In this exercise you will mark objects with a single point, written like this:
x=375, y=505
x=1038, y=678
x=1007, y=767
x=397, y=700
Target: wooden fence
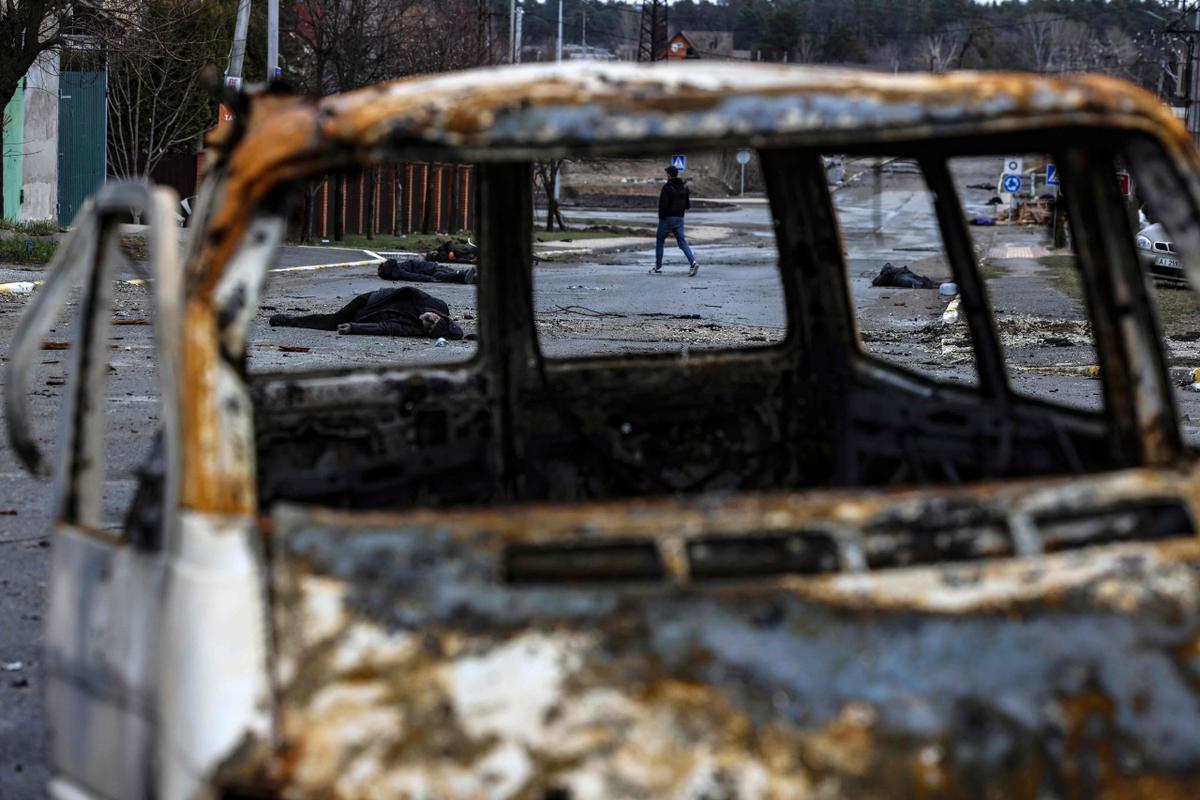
x=392, y=200
x=397, y=198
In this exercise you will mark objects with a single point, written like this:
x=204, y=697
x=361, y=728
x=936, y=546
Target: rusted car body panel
x=740, y=574
x=444, y=680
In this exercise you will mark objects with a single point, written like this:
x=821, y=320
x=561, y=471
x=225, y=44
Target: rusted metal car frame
x=785, y=572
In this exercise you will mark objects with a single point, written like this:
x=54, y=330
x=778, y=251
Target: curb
x=21, y=288
x=1184, y=376
x=1178, y=376
x=1088, y=371
x=313, y=267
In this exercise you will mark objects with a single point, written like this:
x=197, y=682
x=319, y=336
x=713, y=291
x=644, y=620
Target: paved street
x=592, y=298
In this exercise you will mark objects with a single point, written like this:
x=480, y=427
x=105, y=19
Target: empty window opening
x=900, y=277
x=600, y=283
x=1159, y=243
x=377, y=268
x=1018, y=223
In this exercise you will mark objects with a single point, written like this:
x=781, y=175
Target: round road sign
x=743, y=156
x=1012, y=183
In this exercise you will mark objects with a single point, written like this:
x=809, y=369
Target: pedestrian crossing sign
x=679, y=162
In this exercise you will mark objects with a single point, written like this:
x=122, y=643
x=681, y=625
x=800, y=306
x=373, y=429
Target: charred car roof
x=498, y=114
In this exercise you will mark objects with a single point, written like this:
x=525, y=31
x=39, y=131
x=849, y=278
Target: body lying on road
x=420, y=271
x=385, y=312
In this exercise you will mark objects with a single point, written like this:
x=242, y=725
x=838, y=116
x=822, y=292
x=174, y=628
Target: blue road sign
x=1012, y=183
x=679, y=162
x=1051, y=175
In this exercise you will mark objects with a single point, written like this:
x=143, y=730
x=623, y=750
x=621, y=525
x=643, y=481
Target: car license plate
x=1163, y=261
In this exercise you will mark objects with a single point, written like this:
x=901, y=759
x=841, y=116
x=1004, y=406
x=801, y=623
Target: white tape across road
x=27, y=287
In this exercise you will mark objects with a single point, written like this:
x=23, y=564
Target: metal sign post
x=743, y=158
x=1054, y=213
x=1011, y=184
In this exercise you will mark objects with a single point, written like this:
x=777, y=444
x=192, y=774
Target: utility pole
x=1194, y=78
x=558, y=41
x=583, y=35
x=272, y=40
x=237, y=55
x=237, y=52
x=1189, y=75
x=652, y=36
x=512, y=29
x=520, y=26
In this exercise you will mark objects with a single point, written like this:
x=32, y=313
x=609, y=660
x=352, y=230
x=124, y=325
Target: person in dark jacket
x=673, y=203
x=424, y=272
x=385, y=312
x=454, y=252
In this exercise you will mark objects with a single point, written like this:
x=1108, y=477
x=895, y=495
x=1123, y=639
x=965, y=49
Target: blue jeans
x=667, y=226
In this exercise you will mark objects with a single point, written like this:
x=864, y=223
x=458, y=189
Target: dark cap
x=672, y=171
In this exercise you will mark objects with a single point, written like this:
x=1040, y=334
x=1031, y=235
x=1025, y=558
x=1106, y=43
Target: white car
x=1157, y=252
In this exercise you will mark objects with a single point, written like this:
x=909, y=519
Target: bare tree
x=1044, y=35
x=1116, y=53
x=807, y=48
x=545, y=175
x=154, y=99
x=27, y=29
x=30, y=28
x=941, y=50
x=339, y=45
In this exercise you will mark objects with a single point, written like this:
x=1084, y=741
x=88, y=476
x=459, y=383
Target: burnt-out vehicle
x=795, y=571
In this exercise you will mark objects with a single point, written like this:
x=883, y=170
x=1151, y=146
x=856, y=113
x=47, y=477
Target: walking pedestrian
x=673, y=203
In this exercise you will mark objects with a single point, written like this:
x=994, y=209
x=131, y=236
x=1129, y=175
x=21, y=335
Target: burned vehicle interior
x=813, y=411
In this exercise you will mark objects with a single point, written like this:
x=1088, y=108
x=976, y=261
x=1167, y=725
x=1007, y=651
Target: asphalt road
x=586, y=302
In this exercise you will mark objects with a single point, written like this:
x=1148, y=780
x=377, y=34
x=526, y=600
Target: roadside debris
x=134, y=321
x=49, y=345
x=901, y=278
x=950, y=315
x=1029, y=212
x=12, y=666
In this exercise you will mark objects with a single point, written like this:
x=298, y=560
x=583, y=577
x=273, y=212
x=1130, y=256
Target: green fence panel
x=82, y=130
